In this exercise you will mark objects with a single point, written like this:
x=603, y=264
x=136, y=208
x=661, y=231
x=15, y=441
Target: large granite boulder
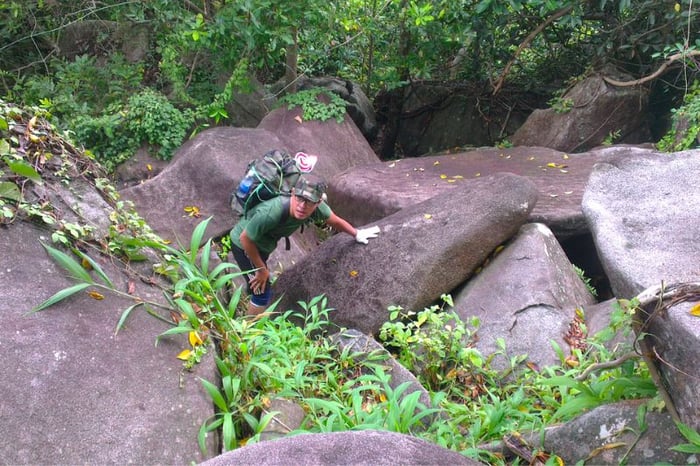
x=528, y=296
x=370, y=192
x=77, y=391
x=594, y=111
x=423, y=251
x=359, y=448
x=644, y=213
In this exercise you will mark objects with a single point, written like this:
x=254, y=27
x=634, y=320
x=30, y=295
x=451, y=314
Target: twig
x=607, y=365
x=655, y=74
x=555, y=16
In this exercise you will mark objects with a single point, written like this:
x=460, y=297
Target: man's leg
x=258, y=302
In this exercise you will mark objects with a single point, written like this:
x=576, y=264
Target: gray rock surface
x=611, y=434
x=423, y=251
x=670, y=336
x=368, y=193
x=361, y=448
x=597, y=111
x=644, y=214
x=529, y=290
x=76, y=393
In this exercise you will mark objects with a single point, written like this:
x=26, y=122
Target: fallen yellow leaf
x=695, y=310
x=96, y=295
x=184, y=354
x=442, y=177
x=354, y=273
x=427, y=216
x=192, y=211
x=194, y=338
x=451, y=181
x=437, y=162
x=149, y=167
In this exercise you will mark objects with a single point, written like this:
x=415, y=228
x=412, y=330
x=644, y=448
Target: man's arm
x=259, y=281
x=361, y=236
x=340, y=224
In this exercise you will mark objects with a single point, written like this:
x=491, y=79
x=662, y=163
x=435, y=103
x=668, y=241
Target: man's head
x=307, y=194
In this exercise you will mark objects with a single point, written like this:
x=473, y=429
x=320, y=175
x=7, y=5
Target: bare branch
x=606, y=365
x=655, y=74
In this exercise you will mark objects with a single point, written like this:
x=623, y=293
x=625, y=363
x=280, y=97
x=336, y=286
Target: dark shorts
x=263, y=299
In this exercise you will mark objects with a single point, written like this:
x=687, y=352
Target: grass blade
x=215, y=395
x=196, y=239
x=96, y=267
x=69, y=264
x=125, y=314
x=60, y=296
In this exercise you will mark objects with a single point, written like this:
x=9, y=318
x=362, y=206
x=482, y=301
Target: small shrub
x=685, y=127
x=313, y=107
x=147, y=118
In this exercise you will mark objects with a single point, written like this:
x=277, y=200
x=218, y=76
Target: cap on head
x=310, y=187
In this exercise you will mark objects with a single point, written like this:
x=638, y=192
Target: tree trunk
x=291, y=56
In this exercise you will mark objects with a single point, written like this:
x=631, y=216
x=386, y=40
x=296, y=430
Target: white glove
x=363, y=236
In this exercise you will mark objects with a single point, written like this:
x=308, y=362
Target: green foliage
x=692, y=436
x=685, y=124
x=147, y=118
x=317, y=104
x=561, y=104
x=611, y=138
x=434, y=344
x=587, y=281
x=270, y=356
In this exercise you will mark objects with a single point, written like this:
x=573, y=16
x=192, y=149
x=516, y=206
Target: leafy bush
x=147, y=118
x=685, y=127
x=313, y=106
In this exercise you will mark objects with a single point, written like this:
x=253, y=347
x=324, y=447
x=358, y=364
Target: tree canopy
x=198, y=52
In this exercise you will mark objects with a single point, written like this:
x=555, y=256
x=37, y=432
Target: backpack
x=267, y=177
x=274, y=174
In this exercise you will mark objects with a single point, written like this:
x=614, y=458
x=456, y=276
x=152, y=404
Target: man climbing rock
x=256, y=234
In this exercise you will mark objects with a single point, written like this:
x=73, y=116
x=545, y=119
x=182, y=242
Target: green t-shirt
x=264, y=227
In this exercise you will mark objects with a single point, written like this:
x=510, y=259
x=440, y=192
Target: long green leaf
x=188, y=310
x=96, y=267
x=228, y=433
x=173, y=331
x=196, y=239
x=204, y=257
x=689, y=433
x=204, y=430
x=60, y=296
x=125, y=314
x=24, y=169
x=69, y=264
x=9, y=190
x=215, y=395
x=224, y=279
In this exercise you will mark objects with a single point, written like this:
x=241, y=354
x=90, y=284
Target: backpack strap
x=286, y=203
